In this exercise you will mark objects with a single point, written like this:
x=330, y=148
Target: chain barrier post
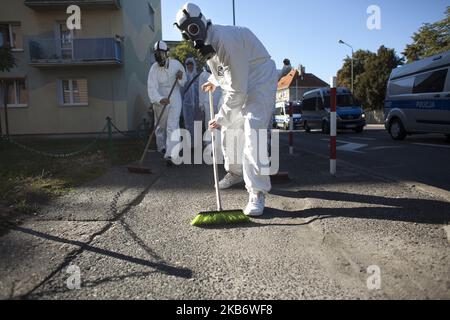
x=291, y=129
x=110, y=141
x=333, y=126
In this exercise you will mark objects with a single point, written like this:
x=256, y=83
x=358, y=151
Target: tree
x=345, y=73
x=7, y=62
x=372, y=71
x=186, y=50
x=431, y=39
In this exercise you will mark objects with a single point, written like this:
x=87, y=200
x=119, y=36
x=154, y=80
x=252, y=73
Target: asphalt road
x=129, y=236
x=420, y=158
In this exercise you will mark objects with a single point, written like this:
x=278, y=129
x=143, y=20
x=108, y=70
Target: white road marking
x=349, y=146
x=384, y=148
x=432, y=145
x=363, y=139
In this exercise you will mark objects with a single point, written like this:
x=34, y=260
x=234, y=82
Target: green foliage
x=345, y=74
x=372, y=71
x=7, y=60
x=431, y=39
x=28, y=181
x=186, y=50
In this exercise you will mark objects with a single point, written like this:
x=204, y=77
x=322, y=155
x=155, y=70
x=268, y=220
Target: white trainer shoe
x=256, y=205
x=229, y=181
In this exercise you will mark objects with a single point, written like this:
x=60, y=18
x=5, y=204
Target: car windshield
x=344, y=100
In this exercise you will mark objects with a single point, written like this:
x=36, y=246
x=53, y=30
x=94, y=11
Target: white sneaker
x=256, y=205
x=229, y=181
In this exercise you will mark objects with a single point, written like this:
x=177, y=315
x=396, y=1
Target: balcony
x=75, y=52
x=48, y=4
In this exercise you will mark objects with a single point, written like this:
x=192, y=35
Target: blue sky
x=307, y=32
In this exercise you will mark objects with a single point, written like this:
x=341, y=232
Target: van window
x=401, y=86
x=279, y=112
x=430, y=82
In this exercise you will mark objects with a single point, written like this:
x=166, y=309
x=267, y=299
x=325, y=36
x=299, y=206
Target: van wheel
x=306, y=126
x=397, y=130
x=325, y=127
x=359, y=129
x=286, y=127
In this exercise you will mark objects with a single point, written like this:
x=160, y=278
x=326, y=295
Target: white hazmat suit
x=204, y=98
x=190, y=97
x=243, y=68
x=160, y=82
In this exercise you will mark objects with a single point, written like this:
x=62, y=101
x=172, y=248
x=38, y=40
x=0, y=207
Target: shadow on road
x=161, y=267
x=395, y=209
x=91, y=284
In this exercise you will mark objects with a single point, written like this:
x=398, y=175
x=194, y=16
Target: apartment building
x=68, y=81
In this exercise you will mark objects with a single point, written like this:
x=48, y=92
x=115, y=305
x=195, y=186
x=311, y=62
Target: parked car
x=418, y=98
x=282, y=118
x=316, y=110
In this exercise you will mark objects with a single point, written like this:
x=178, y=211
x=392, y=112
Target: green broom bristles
x=220, y=218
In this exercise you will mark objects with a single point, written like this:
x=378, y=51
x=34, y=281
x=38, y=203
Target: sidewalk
x=131, y=238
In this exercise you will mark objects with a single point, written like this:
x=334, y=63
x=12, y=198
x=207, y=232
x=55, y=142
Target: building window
x=151, y=12
x=74, y=92
x=16, y=93
x=11, y=36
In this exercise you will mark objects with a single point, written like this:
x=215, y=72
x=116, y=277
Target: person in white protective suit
x=204, y=97
x=161, y=78
x=243, y=68
x=190, y=96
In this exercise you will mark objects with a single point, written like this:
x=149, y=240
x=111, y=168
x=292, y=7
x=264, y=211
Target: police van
x=316, y=111
x=418, y=98
x=282, y=117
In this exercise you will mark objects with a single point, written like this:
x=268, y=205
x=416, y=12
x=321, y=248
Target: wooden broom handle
x=214, y=152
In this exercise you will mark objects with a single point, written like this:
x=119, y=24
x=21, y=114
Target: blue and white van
x=282, y=118
x=316, y=110
x=418, y=98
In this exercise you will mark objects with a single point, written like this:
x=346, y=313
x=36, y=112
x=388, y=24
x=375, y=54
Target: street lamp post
x=353, y=81
x=234, y=13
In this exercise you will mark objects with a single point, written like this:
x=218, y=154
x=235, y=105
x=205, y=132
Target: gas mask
x=195, y=29
x=161, y=57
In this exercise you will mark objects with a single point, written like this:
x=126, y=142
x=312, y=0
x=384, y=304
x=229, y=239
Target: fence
x=375, y=117
x=142, y=132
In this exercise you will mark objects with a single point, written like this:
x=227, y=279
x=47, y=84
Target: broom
x=139, y=168
x=219, y=217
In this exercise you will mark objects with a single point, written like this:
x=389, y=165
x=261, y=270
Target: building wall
x=115, y=91
x=139, y=42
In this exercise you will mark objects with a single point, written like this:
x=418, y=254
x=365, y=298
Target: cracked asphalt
x=131, y=238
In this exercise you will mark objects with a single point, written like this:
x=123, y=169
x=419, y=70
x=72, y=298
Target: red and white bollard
x=333, y=126
x=291, y=129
